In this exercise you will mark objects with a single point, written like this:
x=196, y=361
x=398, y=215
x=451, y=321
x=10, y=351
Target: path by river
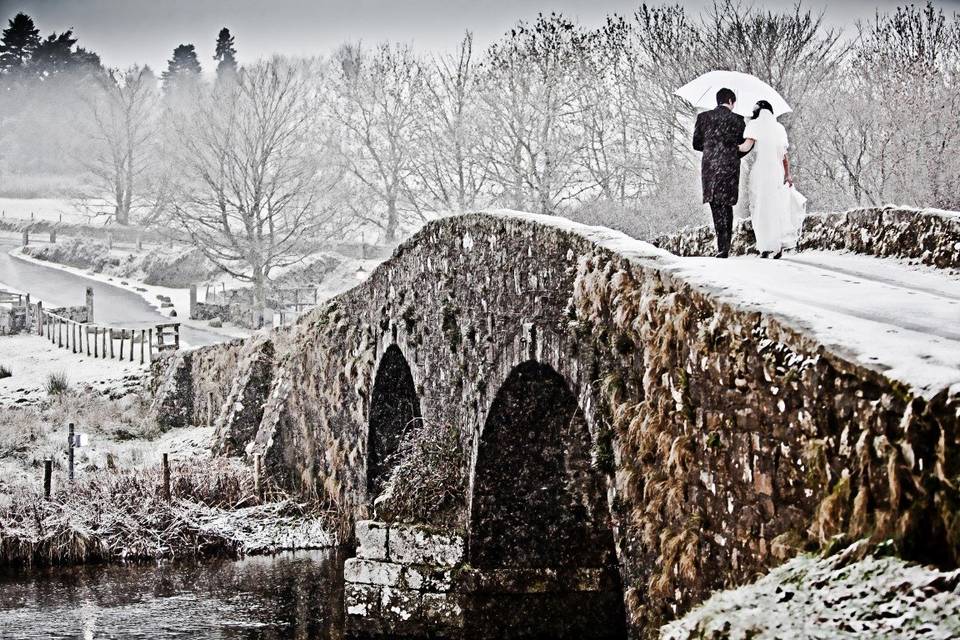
x=112, y=305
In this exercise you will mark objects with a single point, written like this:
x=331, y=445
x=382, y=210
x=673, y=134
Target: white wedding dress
x=769, y=196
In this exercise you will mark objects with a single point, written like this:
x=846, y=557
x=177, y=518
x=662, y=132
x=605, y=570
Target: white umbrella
x=702, y=92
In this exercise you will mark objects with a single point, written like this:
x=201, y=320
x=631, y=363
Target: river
x=291, y=595
x=113, y=306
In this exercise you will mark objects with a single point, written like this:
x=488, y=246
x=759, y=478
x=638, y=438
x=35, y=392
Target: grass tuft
x=57, y=384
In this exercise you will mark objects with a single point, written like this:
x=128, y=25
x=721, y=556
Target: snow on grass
x=32, y=359
x=835, y=597
x=51, y=209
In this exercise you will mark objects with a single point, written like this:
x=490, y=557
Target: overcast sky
x=146, y=31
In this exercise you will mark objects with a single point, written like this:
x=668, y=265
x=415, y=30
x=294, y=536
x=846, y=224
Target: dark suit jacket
x=717, y=134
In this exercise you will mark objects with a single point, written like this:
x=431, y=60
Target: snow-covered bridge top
x=887, y=314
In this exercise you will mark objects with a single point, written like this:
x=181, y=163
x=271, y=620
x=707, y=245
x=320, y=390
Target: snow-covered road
x=899, y=318
x=113, y=305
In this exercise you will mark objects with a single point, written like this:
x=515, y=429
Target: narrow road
x=113, y=306
x=898, y=318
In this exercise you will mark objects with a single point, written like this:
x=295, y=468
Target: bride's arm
x=747, y=145
x=787, y=178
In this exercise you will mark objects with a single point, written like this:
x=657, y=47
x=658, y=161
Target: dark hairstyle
x=761, y=104
x=725, y=96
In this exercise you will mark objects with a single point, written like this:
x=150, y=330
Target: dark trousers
x=723, y=224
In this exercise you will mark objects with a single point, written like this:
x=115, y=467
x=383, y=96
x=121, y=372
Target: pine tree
x=18, y=43
x=226, y=54
x=183, y=66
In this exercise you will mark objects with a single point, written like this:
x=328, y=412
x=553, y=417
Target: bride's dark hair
x=761, y=104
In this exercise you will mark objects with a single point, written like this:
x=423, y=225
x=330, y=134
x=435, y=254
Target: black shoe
x=722, y=254
x=779, y=255
x=764, y=254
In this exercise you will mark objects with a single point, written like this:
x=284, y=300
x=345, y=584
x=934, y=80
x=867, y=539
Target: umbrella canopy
x=702, y=92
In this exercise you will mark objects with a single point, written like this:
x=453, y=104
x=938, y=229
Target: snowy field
x=32, y=359
x=52, y=209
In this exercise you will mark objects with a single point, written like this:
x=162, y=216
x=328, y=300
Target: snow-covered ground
x=51, y=209
x=831, y=598
x=32, y=359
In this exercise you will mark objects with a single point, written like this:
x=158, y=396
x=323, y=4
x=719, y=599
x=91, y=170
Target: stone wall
x=928, y=236
x=723, y=440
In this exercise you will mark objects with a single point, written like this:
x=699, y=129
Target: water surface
x=292, y=595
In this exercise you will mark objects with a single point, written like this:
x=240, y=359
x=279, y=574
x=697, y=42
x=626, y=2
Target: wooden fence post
x=47, y=476
x=166, y=477
x=96, y=341
x=111, y=343
x=256, y=475
x=59, y=333
x=150, y=341
x=86, y=330
x=103, y=348
x=72, y=338
x=123, y=336
x=39, y=317
x=142, y=336
x=133, y=340
x=70, y=451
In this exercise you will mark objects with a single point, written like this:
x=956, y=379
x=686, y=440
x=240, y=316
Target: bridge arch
x=538, y=508
x=394, y=407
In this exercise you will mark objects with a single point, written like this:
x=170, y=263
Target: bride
x=769, y=182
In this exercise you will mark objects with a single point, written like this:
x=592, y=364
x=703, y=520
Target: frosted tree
x=378, y=114
x=530, y=94
x=121, y=137
x=252, y=174
x=451, y=174
x=890, y=133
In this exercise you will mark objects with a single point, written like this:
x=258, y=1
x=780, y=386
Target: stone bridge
x=531, y=416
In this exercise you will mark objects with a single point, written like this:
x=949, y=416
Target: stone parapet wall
x=928, y=236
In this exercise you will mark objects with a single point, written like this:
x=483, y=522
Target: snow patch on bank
x=836, y=597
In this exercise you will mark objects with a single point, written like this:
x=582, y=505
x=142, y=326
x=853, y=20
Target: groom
x=718, y=134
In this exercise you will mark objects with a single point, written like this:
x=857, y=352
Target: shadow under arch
x=539, y=518
x=394, y=406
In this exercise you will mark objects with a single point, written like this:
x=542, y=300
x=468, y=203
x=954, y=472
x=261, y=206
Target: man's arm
x=742, y=147
x=698, y=133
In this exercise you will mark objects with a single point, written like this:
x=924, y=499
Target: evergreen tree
x=226, y=54
x=20, y=39
x=183, y=66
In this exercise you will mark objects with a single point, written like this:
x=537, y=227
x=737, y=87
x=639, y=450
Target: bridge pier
x=414, y=581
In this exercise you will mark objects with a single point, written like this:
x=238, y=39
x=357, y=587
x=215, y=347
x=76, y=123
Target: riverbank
x=121, y=515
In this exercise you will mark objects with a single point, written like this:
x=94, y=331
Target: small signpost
x=74, y=440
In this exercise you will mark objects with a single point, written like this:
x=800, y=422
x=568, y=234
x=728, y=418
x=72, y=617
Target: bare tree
x=377, y=110
x=120, y=142
x=252, y=172
x=892, y=130
x=531, y=89
x=451, y=174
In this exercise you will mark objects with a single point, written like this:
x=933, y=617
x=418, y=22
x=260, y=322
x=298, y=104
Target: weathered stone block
x=361, y=599
x=371, y=572
x=442, y=610
x=399, y=606
x=427, y=578
x=415, y=545
x=371, y=540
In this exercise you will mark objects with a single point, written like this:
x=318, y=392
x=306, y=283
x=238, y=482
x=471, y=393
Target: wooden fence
x=108, y=342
